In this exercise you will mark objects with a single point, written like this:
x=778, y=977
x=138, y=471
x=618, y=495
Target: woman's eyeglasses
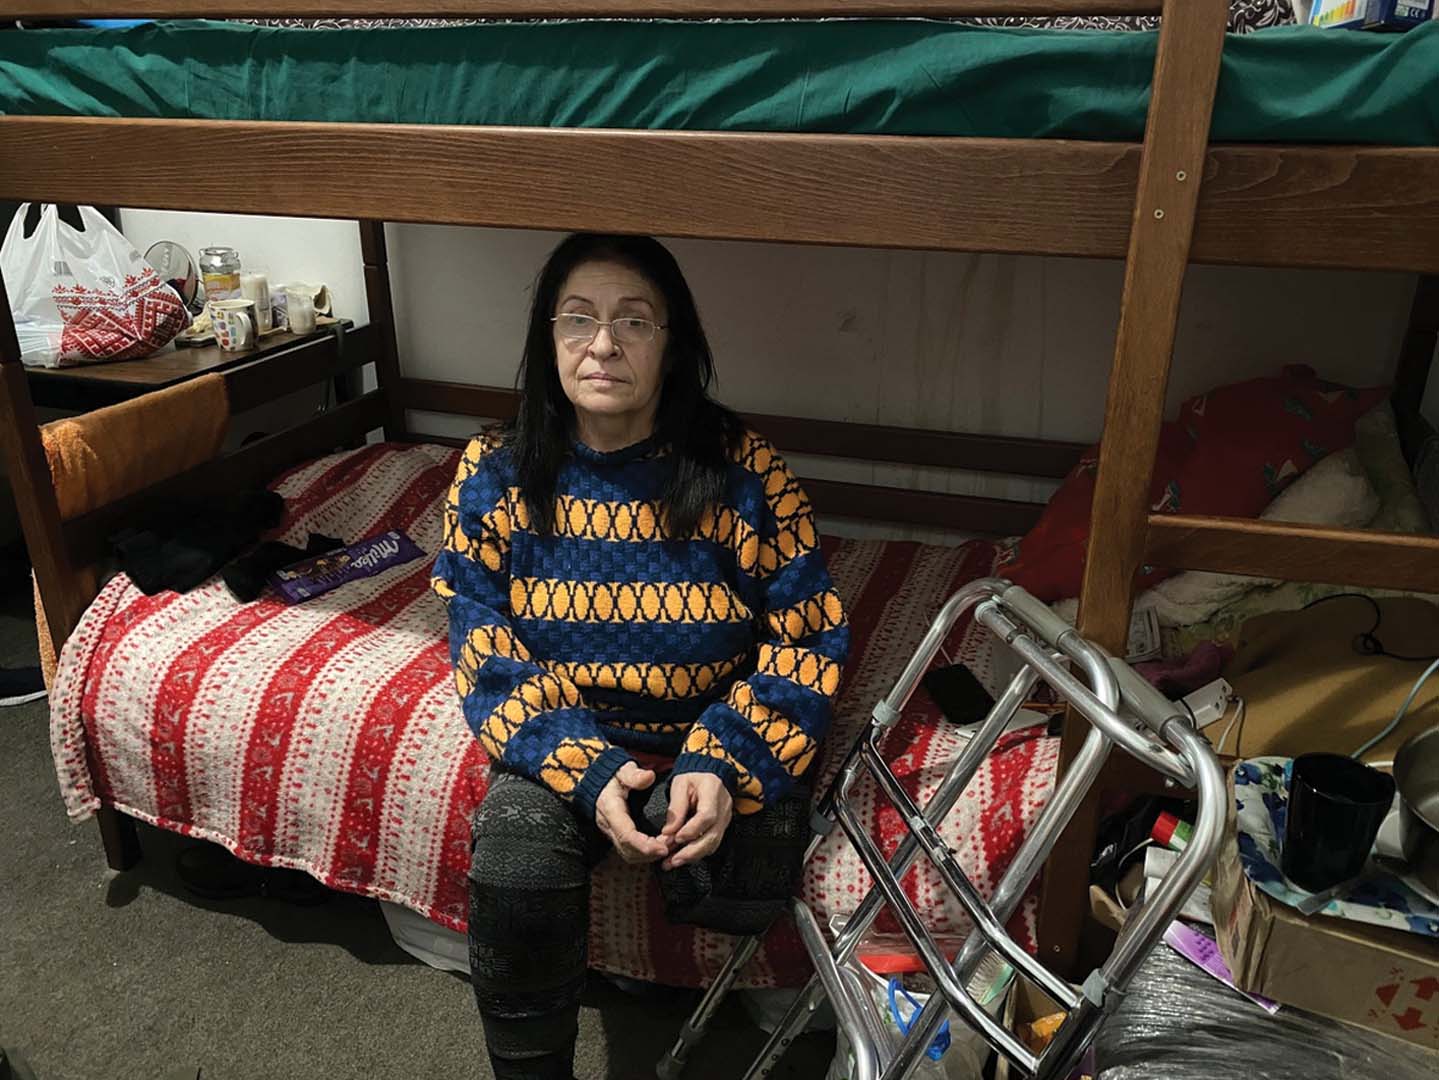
x=581, y=329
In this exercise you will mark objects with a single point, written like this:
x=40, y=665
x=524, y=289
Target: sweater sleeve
x=530, y=720
x=764, y=733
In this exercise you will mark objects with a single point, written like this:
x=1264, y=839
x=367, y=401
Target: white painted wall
x=287, y=249
x=989, y=343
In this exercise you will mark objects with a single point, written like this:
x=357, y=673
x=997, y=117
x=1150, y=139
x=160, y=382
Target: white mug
x=300, y=309
x=234, y=322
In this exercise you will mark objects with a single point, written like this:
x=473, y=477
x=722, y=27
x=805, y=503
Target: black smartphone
x=958, y=693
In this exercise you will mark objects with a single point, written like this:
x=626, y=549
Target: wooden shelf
x=91, y=386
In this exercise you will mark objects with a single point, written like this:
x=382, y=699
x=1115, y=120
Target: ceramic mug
x=234, y=323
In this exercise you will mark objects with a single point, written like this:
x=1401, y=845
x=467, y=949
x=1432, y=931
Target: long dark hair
x=699, y=433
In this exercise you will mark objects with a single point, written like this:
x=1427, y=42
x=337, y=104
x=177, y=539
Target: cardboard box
x=1371, y=14
x=1384, y=980
x=1026, y=1003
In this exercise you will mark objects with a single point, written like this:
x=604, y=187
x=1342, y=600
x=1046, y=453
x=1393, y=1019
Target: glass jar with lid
x=220, y=271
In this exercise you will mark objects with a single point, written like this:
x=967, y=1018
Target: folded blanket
x=113, y=452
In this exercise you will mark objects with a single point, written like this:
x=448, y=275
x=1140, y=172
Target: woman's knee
x=529, y=913
x=523, y=834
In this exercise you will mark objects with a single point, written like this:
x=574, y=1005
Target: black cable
x=1367, y=642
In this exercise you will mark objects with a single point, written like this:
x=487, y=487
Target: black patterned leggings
x=529, y=907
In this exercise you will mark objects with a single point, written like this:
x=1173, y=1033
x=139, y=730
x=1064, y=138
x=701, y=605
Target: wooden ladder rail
x=1176, y=137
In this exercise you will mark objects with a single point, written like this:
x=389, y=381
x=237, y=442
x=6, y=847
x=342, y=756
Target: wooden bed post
x=1186, y=71
x=62, y=592
x=382, y=317
x=1412, y=374
x=29, y=475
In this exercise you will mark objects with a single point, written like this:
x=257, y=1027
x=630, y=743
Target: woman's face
x=613, y=379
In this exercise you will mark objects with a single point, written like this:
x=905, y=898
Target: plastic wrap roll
x=1177, y=1023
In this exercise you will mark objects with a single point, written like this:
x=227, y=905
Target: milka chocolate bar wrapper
x=364, y=558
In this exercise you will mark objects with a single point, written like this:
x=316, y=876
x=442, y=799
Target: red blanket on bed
x=327, y=736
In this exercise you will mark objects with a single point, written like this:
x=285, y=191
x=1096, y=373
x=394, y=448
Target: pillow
x=1376, y=441
x=1228, y=454
x=1336, y=492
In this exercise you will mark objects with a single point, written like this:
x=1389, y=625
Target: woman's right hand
x=612, y=815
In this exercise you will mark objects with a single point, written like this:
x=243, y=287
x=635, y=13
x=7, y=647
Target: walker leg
x=795, y=1020
x=693, y=1030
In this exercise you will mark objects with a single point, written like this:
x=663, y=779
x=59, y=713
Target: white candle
x=256, y=286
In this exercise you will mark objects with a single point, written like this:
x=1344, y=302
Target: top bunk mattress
x=847, y=76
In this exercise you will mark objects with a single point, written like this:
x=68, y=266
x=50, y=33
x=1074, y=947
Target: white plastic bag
x=958, y=1052
x=82, y=296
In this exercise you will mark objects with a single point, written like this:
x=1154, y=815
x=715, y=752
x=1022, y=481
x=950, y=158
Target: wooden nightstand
x=90, y=386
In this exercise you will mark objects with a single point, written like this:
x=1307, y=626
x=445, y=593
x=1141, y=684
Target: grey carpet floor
x=106, y=977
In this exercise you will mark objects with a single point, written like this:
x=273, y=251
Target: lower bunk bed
x=327, y=737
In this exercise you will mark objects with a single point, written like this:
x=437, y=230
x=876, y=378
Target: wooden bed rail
x=1295, y=552
x=1416, y=368
x=1304, y=206
x=308, y=364
x=1037, y=458
x=927, y=509
x=554, y=9
x=893, y=505
x=1014, y=456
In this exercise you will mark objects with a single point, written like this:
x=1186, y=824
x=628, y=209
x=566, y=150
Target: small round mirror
x=176, y=267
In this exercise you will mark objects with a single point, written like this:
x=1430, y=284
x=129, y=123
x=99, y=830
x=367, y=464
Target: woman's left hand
x=700, y=812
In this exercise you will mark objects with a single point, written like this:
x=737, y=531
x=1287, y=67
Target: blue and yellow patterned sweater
x=722, y=648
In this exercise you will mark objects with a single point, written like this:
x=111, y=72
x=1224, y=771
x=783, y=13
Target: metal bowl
x=1416, y=775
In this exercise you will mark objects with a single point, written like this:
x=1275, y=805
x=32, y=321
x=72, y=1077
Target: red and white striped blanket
x=327, y=736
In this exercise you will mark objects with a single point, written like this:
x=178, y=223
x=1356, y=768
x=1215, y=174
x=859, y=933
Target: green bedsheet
x=911, y=77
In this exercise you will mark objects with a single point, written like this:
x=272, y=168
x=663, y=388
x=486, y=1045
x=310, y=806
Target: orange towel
x=116, y=451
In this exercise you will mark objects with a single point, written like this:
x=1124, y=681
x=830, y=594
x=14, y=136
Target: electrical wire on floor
x=1237, y=718
x=1398, y=716
x=1367, y=642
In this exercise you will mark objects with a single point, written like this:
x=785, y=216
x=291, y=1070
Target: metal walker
x=1121, y=709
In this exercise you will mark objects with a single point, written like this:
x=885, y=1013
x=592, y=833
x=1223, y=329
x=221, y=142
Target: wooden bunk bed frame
x=1157, y=204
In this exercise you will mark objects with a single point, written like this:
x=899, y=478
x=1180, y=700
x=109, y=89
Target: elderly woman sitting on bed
x=634, y=583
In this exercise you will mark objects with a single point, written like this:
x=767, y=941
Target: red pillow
x=1229, y=453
